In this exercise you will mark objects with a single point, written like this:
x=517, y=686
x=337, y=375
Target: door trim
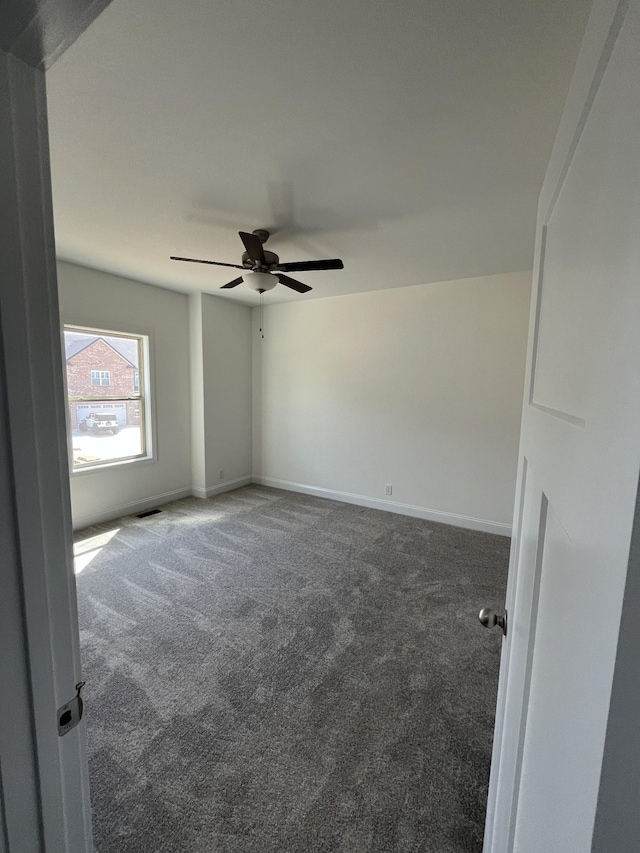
x=44, y=786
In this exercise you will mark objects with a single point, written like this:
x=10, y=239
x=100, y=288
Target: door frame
x=603, y=28
x=44, y=780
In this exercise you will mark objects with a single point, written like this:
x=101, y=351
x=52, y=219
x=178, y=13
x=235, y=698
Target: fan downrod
x=262, y=235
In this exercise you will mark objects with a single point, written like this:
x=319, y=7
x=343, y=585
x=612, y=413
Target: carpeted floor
x=270, y=672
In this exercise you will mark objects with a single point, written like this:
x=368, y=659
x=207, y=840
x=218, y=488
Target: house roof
x=75, y=342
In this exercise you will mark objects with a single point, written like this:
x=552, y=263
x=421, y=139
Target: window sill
x=121, y=463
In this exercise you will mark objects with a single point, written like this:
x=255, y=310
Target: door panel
x=558, y=721
x=522, y=598
x=580, y=452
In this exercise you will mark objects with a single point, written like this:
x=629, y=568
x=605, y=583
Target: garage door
x=118, y=409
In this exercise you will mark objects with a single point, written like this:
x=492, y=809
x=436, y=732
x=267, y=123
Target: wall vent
x=148, y=513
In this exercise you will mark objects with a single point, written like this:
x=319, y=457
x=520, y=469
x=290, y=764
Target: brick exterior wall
x=99, y=356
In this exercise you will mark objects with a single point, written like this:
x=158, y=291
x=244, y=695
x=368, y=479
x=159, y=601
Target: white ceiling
x=408, y=137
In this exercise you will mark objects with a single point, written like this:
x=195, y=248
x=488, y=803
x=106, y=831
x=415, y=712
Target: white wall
x=221, y=367
x=196, y=385
x=97, y=299
x=420, y=387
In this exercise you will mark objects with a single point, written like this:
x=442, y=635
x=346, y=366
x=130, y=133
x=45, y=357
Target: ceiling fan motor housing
x=270, y=257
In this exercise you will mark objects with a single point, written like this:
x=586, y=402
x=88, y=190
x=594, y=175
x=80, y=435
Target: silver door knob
x=490, y=619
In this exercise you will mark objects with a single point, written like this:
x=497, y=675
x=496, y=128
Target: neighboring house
x=100, y=367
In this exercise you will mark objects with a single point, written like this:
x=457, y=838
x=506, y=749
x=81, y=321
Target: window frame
x=145, y=398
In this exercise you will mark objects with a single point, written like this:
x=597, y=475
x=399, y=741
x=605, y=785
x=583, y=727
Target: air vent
x=148, y=513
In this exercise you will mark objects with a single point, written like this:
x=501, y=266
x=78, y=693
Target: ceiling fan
x=263, y=268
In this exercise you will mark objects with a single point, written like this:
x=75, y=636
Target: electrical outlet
x=222, y=474
x=388, y=489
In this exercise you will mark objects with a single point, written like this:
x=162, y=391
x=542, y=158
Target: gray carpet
x=270, y=672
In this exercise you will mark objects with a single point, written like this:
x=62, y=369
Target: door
x=579, y=459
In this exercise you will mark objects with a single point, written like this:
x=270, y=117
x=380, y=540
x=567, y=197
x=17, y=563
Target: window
x=101, y=377
x=107, y=387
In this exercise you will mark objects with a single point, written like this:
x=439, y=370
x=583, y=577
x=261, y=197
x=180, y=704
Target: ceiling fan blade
x=299, y=266
x=233, y=283
x=253, y=245
x=293, y=284
x=215, y=263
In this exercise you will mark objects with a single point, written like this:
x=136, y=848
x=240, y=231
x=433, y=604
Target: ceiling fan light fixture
x=260, y=281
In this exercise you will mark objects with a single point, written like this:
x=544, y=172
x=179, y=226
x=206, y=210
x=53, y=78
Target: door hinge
x=69, y=715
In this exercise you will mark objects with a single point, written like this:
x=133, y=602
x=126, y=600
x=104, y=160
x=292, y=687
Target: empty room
x=319, y=411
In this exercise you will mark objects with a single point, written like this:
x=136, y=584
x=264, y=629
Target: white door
x=579, y=458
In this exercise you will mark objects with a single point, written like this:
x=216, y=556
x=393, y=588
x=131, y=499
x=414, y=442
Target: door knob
x=490, y=619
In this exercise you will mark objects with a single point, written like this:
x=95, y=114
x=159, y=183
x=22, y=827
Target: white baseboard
x=131, y=508
x=228, y=486
x=466, y=521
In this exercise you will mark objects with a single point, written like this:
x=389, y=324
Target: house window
x=107, y=388
x=100, y=377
